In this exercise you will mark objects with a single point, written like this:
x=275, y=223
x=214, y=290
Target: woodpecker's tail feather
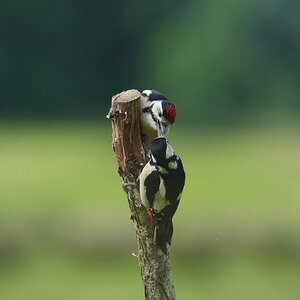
x=163, y=235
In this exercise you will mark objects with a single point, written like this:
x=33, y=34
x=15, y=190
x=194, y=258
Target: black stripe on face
x=148, y=110
x=159, y=127
x=153, y=118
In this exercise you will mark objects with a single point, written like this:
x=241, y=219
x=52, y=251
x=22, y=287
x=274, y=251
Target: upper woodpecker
x=161, y=184
x=157, y=115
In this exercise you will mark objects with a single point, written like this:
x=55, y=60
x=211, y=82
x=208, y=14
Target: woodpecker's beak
x=159, y=128
x=163, y=129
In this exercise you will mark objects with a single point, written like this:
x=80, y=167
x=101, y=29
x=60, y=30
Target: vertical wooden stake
x=154, y=264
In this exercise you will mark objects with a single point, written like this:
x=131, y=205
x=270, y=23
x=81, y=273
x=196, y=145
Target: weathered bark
x=154, y=264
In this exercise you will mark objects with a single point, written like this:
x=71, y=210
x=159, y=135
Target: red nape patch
x=149, y=214
x=171, y=113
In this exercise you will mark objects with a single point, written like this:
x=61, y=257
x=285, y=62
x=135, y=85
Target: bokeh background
x=231, y=67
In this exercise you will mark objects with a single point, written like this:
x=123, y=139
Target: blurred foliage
x=228, y=61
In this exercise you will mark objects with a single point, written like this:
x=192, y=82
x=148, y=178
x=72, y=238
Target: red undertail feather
x=149, y=214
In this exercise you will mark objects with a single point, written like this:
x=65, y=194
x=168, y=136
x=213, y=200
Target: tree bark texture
x=154, y=264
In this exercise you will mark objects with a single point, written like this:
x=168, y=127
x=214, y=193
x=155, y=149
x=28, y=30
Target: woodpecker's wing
x=175, y=180
x=149, y=185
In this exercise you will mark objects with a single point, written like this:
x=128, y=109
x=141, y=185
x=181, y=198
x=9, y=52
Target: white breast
x=146, y=171
x=160, y=200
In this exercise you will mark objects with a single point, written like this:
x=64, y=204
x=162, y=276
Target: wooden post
x=154, y=264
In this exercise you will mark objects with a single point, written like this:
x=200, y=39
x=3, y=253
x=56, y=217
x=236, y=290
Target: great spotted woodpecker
x=157, y=115
x=161, y=184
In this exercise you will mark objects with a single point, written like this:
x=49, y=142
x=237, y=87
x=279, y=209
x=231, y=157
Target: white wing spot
x=172, y=165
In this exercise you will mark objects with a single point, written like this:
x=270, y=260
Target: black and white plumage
x=161, y=184
x=157, y=115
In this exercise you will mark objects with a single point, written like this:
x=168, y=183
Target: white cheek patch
x=157, y=109
x=148, y=125
x=172, y=165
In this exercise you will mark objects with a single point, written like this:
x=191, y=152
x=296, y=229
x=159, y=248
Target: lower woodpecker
x=161, y=183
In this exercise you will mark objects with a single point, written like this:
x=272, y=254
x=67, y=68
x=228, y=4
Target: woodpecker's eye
x=160, y=114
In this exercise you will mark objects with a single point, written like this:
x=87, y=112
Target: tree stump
x=154, y=264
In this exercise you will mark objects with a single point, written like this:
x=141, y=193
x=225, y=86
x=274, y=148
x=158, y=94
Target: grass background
x=65, y=231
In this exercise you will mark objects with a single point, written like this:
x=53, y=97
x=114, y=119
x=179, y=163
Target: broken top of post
x=127, y=144
x=127, y=96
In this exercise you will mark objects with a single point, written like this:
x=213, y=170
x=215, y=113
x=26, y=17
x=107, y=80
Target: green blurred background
x=231, y=67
